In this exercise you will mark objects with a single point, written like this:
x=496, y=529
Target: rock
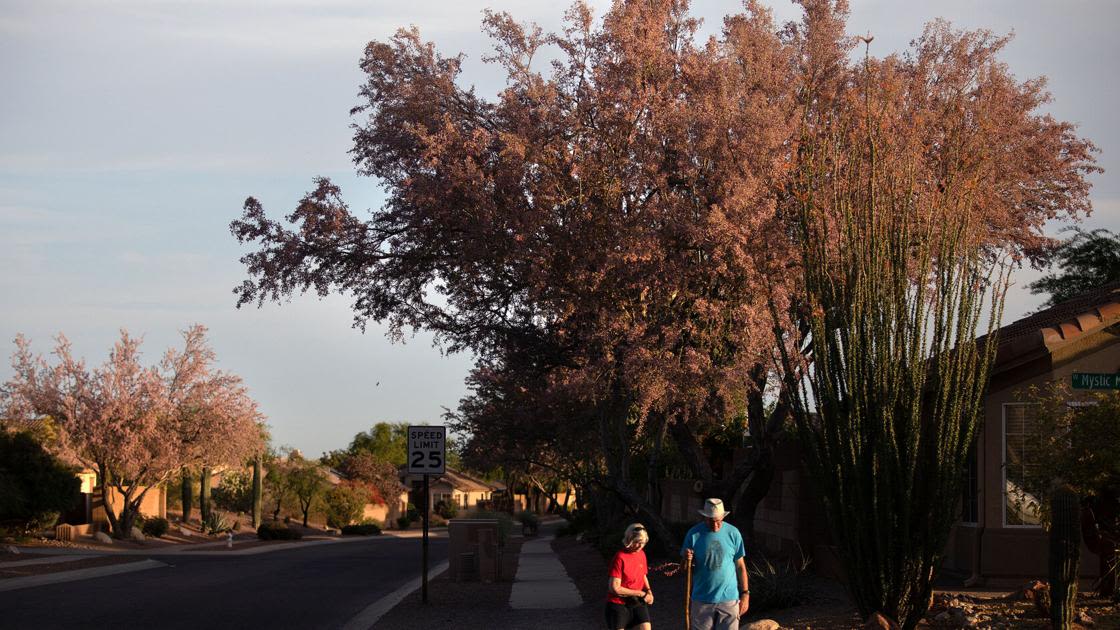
x=943, y=617
x=762, y=624
x=879, y=621
x=1084, y=619
x=136, y=534
x=970, y=622
x=12, y=549
x=102, y=537
x=184, y=531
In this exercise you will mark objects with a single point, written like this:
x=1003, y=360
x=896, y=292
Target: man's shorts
x=719, y=616
x=626, y=615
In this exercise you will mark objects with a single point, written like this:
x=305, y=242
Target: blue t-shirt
x=715, y=554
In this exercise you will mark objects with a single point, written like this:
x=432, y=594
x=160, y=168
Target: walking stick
x=687, y=593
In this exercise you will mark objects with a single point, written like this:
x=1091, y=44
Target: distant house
x=996, y=541
x=455, y=486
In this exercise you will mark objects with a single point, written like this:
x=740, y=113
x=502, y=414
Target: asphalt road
x=316, y=587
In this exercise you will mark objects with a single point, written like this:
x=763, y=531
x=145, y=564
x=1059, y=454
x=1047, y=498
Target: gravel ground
x=460, y=604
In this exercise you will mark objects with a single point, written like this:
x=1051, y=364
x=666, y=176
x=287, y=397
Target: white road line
x=12, y=584
x=373, y=612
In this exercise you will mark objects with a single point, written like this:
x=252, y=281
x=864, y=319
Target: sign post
x=427, y=455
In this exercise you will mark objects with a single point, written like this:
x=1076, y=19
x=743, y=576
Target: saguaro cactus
x=204, y=494
x=187, y=496
x=257, y=491
x=1065, y=555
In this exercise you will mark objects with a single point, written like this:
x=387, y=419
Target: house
x=88, y=514
x=990, y=542
x=456, y=486
x=1081, y=335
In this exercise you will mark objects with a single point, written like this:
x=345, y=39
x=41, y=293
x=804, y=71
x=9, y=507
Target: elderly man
x=720, y=592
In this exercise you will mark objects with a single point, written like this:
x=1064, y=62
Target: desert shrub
x=234, y=493
x=529, y=520
x=776, y=585
x=155, y=527
x=505, y=524
x=447, y=509
x=34, y=486
x=343, y=504
x=274, y=531
x=216, y=523
x=579, y=522
x=365, y=529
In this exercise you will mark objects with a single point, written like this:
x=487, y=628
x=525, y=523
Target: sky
x=131, y=132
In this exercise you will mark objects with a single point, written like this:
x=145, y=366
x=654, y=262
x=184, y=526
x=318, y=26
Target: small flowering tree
x=136, y=426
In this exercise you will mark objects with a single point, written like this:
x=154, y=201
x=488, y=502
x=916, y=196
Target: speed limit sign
x=427, y=450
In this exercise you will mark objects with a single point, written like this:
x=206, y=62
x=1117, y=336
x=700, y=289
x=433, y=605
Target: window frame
x=1003, y=467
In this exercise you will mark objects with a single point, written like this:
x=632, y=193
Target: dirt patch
x=58, y=567
x=457, y=604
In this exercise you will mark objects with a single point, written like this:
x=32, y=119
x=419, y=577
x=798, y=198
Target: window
x=1020, y=508
x=970, y=493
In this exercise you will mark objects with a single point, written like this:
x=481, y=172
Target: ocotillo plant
x=1065, y=555
x=896, y=283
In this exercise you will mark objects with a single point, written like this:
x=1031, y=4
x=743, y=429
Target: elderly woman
x=628, y=592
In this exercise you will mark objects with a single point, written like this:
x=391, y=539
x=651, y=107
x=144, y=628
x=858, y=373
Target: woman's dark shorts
x=627, y=615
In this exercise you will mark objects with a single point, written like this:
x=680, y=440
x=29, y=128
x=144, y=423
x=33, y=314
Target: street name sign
x=1095, y=381
x=427, y=450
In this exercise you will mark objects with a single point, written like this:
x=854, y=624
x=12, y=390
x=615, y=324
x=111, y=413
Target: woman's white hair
x=635, y=532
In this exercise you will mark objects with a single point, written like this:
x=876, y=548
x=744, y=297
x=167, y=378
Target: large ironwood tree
x=614, y=212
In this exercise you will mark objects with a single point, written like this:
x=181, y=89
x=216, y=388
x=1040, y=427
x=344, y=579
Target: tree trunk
x=257, y=492
x=187, y=494
x=204, y=494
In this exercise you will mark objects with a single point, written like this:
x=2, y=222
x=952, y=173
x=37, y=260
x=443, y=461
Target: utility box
x=473, y=551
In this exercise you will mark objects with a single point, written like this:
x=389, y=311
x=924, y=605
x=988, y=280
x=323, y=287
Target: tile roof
x=1060, y=323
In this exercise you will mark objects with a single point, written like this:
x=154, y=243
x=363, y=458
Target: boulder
x=11, y=549
x=879, y=621
x=136, y=534
x=762, y=624
x=184, y=531
x=1084, y=619
x=102, y=537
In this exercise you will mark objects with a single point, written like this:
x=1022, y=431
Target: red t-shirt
x=630, y=568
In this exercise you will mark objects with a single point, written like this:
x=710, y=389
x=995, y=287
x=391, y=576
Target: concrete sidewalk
x=541, y=582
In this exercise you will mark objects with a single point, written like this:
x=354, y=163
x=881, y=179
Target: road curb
x=372, y=613
x=30, y=581
x=190, y=551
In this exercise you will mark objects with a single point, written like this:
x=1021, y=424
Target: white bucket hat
x=713, y=508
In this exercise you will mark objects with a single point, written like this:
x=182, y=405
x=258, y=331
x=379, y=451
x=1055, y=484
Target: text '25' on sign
x=427, y=450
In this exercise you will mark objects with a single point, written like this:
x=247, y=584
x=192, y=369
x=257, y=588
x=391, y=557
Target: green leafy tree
x=343, y=503
x=307, y=482
x=1086, y=260
x=277, y=481
x=1077, y=444
x=34, y=485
